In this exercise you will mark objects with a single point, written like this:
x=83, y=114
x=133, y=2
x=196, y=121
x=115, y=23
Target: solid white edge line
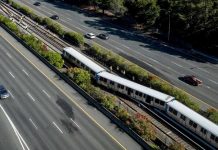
x=57, y=127
x=75, y=123
x=33, y=123
x=11, y=74
x=15, y=130
x=30, y=96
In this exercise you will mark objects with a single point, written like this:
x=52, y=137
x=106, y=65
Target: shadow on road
x=67, y=108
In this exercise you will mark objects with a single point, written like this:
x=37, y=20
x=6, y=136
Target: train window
x=212, y=136
x=170, y=109
x=140, y=94
x=111, y=82
x=175, y=112
x=136, y=93
x=183, y=117
x=191, y=123
x=92, y=72
x=157, y=101
x=105, y=80
x=162, y=103
x=203, y=130
x=118, y=85
x=216, y=139
x=101, y=79
x=149, y=98
x=121, y=86
x=195, y=125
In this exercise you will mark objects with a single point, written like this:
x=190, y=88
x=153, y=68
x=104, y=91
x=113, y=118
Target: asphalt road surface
x=165, y=61
x=41, y=116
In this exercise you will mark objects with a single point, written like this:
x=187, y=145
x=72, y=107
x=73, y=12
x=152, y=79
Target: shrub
x=75, y=38
x=176, y=146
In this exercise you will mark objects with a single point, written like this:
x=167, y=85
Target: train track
x=167, y=129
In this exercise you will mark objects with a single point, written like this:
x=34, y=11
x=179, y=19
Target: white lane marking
x=121, y=44
x=176, y=64
x=11, y=94
x=75, y=123
x=69, y=19
x=204, y=70
x=11, y=74
x=148, y=64
x=30, y=96
x=169, y=132
x=57, y=127
x=25, y=72
x=9, y=55
x=213, y=81
x=20, y=138
x=208, y=87
x=154, y=60
x=46, y=93
x=33, y=123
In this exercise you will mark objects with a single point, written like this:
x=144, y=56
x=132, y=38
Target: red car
x=191, y=79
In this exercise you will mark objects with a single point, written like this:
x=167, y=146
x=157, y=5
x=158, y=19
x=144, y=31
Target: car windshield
x=3, y=90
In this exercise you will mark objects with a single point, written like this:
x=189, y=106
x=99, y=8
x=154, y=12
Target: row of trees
x=193, y=21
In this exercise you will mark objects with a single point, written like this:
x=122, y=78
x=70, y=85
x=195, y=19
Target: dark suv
x=37, y=4
x=191, y=79
x=3, y=92
x=54, y=17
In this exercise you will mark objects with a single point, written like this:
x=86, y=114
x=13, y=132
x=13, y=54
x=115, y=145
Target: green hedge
x=54, y=58
x=75, y=38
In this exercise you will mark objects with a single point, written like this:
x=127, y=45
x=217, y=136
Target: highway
x=159, y=58
x=42, y=117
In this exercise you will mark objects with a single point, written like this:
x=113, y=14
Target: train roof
x=136, y=86
x=194, y=116
x=86, y=61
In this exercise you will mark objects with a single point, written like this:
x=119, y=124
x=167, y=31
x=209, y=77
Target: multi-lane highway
x=38, y=115
x=167, y=62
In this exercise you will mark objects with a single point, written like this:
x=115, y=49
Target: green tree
x=145, y=11
x=118, y=7
x=79, y=76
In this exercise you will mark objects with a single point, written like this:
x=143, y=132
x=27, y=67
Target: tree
x=145, y=11
x=79, y=76
x=118, y=7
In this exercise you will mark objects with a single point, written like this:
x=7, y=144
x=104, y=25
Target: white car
x=90, y=35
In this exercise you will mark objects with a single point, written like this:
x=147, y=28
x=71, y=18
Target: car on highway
x=104, y=36
x=54, y=17
x=90, y=35
x=37, y=3
x=191, y=79
x=3, y=92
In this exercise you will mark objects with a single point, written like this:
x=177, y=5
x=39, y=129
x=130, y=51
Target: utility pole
x=168, y=36
x=169, y=23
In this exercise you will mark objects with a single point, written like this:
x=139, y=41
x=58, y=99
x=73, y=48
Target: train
x=191, y=120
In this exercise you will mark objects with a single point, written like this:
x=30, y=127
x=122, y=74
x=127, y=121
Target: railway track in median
x=166, y=132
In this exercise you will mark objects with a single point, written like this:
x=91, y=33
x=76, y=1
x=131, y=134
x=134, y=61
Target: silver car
x=3, y=92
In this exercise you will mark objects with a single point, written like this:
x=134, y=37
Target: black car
x=103, y=36
x=54, y=17
x=37, y=4
x=3, y=92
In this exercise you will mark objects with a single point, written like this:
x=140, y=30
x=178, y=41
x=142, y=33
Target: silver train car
x=80, y=60
x=177, y=111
